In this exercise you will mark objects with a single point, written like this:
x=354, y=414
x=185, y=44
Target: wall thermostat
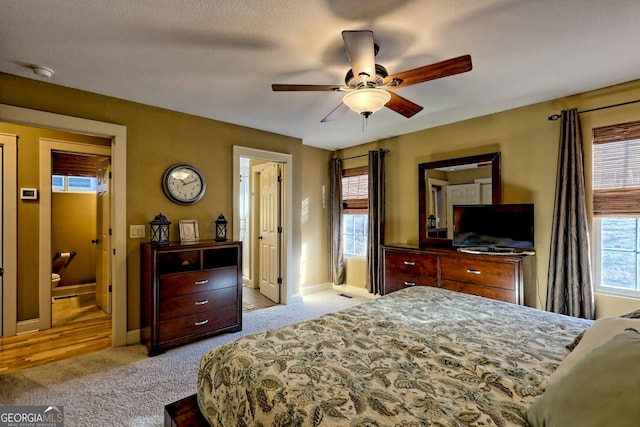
x=29, y=193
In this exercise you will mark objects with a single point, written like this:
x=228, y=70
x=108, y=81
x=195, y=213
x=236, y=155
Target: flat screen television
x=493, y=227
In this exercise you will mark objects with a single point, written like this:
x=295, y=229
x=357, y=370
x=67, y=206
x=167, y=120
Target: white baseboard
x=355, y=290
x=73, y=290
x=133, y=337
x=312, y=289
x=27, y=326
x=347, y=289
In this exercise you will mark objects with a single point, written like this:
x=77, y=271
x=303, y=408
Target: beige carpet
x=124, y=387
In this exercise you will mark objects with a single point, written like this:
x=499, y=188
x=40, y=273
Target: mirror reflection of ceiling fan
x=369, y=87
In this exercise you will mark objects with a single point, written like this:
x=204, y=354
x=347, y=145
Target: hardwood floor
x=254, y=298
x=61, y=342
x=80, y=328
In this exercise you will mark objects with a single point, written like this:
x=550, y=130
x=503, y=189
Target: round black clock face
x=183, y=184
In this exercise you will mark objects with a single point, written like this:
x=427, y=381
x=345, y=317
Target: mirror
x=468, y=180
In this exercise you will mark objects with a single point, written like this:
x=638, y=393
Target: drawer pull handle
x=202, y=322
x=409, y=263
x=473, y=271
x=203, y=302
x=409, y=283
x=201, y=282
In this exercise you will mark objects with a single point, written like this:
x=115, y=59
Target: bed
x=419, y=356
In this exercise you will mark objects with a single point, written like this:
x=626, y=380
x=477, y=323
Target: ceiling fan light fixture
x=366, y=101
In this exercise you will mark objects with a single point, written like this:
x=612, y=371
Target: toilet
x=60, y=262
x=55, y=279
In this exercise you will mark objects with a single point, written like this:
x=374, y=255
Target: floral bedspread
x=422, y=356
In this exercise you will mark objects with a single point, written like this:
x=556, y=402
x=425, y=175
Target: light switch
x=136, y=231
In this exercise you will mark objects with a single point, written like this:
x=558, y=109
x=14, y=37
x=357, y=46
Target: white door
x=486, y=191
x=103, y=243
x=270, y=230
x=463, y=194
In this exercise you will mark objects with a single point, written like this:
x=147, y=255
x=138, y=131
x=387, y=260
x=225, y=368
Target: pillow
x=601, y=331
x=635, y=314
x=602, y=389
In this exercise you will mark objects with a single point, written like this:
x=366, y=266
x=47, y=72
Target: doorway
x=248, y=234
x=76, y=232
x=80, y=224
x=117, y=135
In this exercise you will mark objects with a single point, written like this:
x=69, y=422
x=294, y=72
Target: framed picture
x=189, y=230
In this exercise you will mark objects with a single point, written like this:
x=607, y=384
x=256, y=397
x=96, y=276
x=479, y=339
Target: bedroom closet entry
x=261, y=204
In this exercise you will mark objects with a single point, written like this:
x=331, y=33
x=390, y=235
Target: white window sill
x=615, y=292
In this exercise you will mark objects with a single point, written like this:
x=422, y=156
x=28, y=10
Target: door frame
x=118, y=135
x=9, y=238
x=287, y=295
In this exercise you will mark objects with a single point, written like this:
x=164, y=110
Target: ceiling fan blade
x=361, y=51
x=438, y=70
x=336, y=113
x=306, y=88
x=402, y=105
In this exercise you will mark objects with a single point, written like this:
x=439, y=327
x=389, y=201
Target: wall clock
x=183, y=184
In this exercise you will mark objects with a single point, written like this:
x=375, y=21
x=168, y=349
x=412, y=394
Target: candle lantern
x=221, y=229
x=431, y=221
x=160, y=229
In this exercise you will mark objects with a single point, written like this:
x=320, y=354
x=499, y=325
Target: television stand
x=490, y=250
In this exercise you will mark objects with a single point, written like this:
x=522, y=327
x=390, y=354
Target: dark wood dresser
x=189, y=291
x=500, y=277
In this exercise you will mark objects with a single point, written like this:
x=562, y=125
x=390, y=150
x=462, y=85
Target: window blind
x=616, y=170
x=355, y=190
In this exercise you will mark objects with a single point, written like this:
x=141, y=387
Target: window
x=355, y=218
x=616, y=209
x=74, y=183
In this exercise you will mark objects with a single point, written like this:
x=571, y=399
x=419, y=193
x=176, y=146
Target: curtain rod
x=557, y=116
x=384, y=150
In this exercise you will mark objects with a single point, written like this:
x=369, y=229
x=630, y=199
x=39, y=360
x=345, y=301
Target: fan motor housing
x=355, y=82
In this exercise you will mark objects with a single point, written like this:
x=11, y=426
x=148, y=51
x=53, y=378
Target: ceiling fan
x=367, y=84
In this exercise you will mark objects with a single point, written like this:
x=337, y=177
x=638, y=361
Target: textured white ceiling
x=218, y=58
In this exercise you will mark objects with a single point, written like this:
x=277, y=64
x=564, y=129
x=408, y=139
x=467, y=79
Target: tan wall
x=73, y=226
x=314, y=217
x=158, y=138
x=529, y=146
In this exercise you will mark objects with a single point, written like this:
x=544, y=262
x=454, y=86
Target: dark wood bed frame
x=184, y=413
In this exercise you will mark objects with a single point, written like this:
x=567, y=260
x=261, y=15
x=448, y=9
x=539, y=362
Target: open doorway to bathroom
x=79, y=228
x=277, y=267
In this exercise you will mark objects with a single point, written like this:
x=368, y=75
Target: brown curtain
x=570, y=288
x=376, y=221
x=337, y=266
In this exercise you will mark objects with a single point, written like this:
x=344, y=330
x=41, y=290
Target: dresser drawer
x=394, y=281
x=489, y=273
x=499, y=294
x=197, y=281
x=411, y=263
x=198, y=324
x=182, y=305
